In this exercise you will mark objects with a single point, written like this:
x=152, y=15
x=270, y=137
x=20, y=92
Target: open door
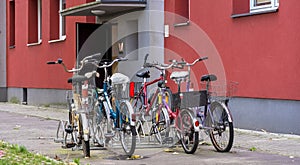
x=94, y=38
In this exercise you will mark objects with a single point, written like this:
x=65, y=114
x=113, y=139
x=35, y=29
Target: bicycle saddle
x=179, y=75
x=144, y=73
x=208, y=77
x=77, y=79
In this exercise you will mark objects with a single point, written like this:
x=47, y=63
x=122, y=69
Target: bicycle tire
x=99, y=122
x=127, y=131
x=189, y=138
x=85, y=143
x=161, y=124
x=222, y=133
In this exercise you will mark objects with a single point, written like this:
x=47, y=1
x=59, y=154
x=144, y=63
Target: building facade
x=40, y=31
x=3, y=84
x=253, y=42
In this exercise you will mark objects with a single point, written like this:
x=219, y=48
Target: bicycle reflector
x=197, y=123
x=131, y=89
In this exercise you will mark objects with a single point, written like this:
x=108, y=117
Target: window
x=62, y=20
x=250, y=7
x=57, y=22
x=34, y=22
x=11, y=24
x=263, y=5
x=182, y=8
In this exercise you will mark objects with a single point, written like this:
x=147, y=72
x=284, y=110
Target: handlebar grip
x=123, y=59
x=145, y=59
x=95, y=55
x=59, y=61
x=203, y=58
x=147, y=65
x=51, y=62
x=92, y=56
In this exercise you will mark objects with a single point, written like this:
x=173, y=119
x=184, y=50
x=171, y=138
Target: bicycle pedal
x=69, y=145
x=69, y=129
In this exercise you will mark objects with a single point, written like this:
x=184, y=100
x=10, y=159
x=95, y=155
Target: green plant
x=15, y=154
x=77, y=161
x=14, y=100
x=253, y=149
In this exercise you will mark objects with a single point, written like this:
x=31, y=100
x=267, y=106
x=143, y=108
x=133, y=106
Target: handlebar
x=174, y=64
x=106, y=65
x=184, y=63
x=85, y=60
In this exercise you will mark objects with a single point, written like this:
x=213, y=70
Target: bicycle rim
x=127, y=132
x=188, y=137
x=161, y=125
x=221, y=134
x=98, y=126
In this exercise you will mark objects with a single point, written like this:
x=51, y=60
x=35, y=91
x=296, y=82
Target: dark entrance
x=94, y=38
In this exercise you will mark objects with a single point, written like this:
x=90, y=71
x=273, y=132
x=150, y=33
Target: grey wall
x=280, y=116
x=150, y=38
x=39, y=96
x=3, y=89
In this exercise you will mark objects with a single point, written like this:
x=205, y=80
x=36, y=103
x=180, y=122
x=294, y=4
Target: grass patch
x=14, y=100
x=14, y=154
x=252, y=149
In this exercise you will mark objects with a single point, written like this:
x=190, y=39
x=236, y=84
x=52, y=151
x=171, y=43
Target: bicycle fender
x=130, y=109
x=227, y=111
x=197, y=129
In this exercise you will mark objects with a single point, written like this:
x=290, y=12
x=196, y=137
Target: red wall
x=261, y=52
x=26, y=65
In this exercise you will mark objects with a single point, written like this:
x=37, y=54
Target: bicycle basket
x=190, y=99
x=221, y=92
x=121, y=90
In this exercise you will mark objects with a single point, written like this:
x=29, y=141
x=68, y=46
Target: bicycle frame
x=144, y=92
x=111, y=114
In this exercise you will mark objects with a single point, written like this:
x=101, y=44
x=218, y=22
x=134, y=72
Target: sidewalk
x=280, y=144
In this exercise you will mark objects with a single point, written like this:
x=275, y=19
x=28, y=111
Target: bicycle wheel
x=161, y=125
x=97, y=126
x=127, y=131
x=189, y=139
x=221, y=132
x=84, y=142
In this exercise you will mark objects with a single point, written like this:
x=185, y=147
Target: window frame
x=62, y=21
x=273, y=5
x=12, y=24
x=187, y=15
x=39, y=25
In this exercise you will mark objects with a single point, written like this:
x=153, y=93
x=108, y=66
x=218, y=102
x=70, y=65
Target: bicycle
x=182, y=121
x=114, y=112
x=77, y=126
x=215, y=116
x=143, y=108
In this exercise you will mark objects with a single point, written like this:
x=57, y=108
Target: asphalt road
x=37, y=135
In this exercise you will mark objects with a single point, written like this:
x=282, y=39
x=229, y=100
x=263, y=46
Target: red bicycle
x=169, y=126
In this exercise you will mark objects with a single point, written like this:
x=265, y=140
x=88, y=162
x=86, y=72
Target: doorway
x=91, y=39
